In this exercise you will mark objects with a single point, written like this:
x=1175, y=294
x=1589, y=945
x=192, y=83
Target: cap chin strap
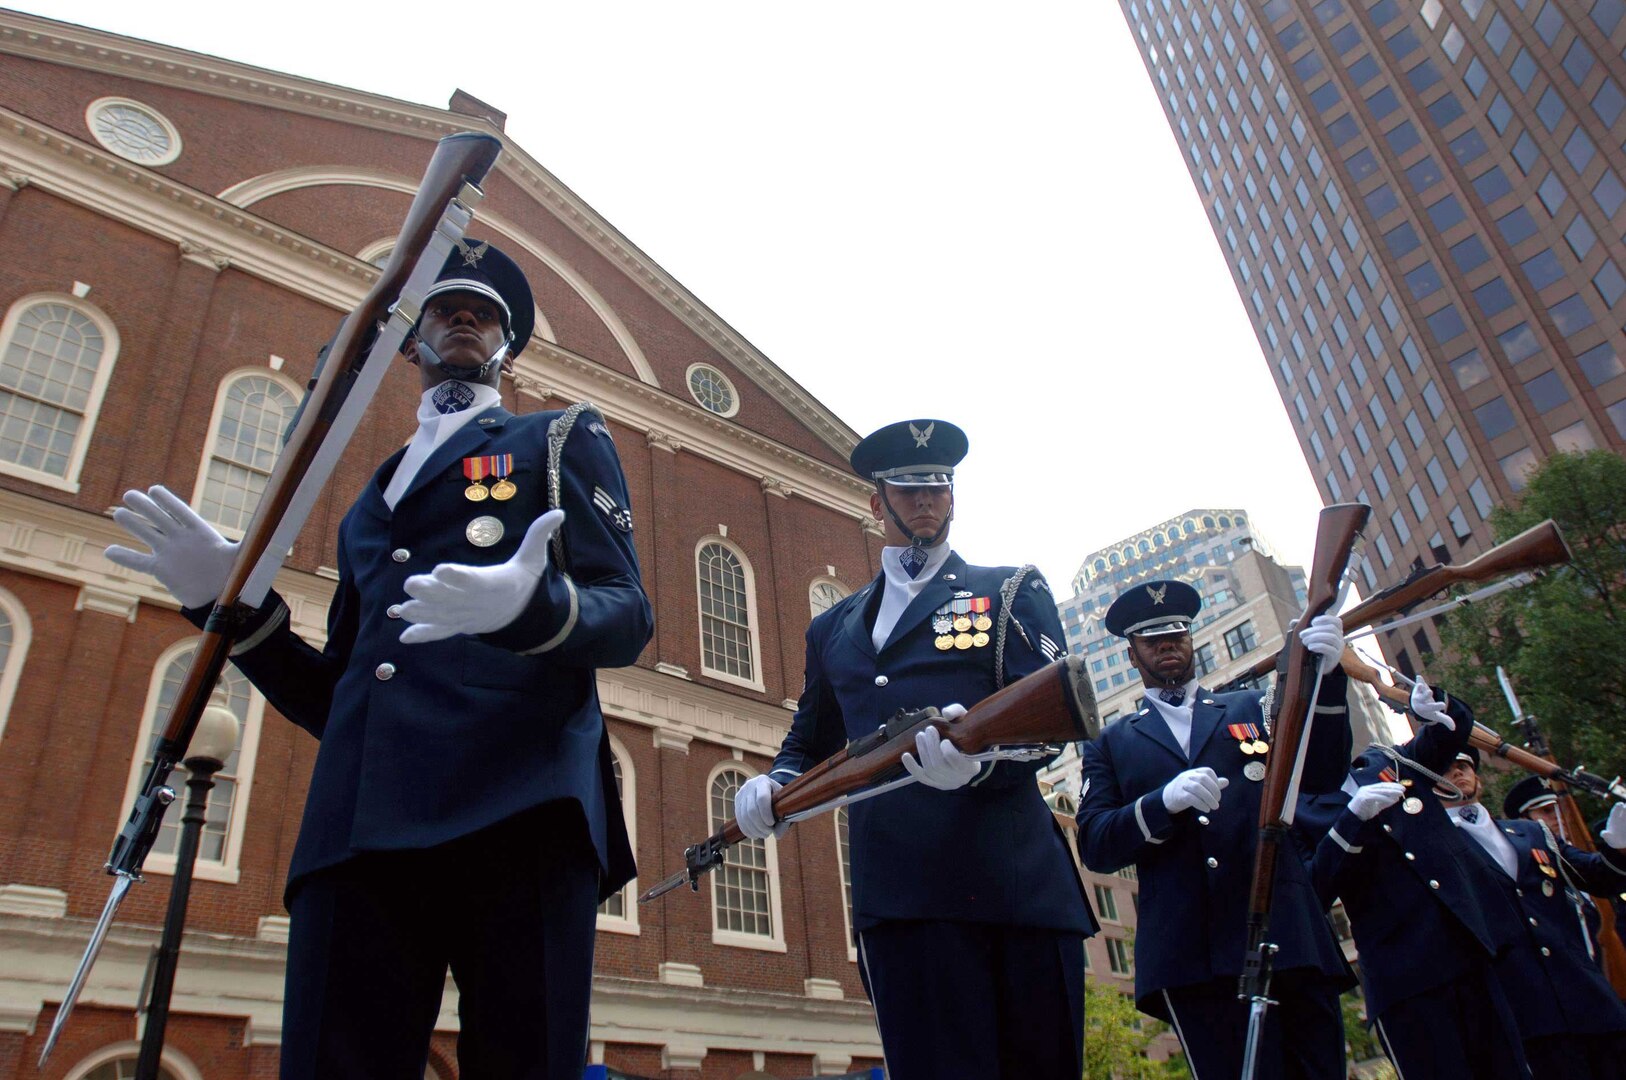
x=909, y=534
x=474, y=374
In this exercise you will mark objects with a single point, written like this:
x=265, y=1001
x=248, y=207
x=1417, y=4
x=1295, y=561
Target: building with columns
x=178, y=235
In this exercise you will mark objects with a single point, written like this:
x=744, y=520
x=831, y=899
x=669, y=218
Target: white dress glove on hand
x=1372, y=799
x=1427, y=709
x=753, y=808
x=941, y=765
x=1325, y=637
x=1614, y=833
x=188, y=557
x=457, y=599
x=1194, y=789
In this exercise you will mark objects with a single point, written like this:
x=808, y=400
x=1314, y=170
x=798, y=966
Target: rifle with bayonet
x=360, y=354
x=1027, y=720
x=1296, y=690
x=1537, y=548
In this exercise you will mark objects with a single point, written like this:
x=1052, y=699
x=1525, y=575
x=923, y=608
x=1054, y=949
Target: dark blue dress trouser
x=1303, y=1037
x=1463, y=1030
x=510, y=910
x=969, y=1001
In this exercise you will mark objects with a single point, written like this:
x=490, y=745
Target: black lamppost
x=212, y=744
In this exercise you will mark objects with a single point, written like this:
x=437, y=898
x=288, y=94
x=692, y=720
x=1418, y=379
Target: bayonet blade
x=673, y=882
x=121, y=885
x=1507, y=692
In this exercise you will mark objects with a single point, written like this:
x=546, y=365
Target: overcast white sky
x=914, y=209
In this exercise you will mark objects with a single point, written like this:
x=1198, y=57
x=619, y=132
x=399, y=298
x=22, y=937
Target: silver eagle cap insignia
x=472, y=255
x=1156, y=594
x=922, y=437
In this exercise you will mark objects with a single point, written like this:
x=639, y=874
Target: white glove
x=1427, y=709
x=1614, y=833
x=753, y=808
x=941, y=766
x=1194, y=788
x=188, y=557
x=1371, y=800
x=1325, y=637
x=457, y=599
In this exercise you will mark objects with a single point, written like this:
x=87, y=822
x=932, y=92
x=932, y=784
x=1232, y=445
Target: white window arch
x=221, y=843
x=619, y=913
x=726, y=588
x=844, y=859
x=745, y=889
x=825, y=593
x=16, y=632
x=118, y=1062
x=252, y=410
x=56, y=357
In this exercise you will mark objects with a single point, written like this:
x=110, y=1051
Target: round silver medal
x=1254, y=770
x=484, y=531
x=1546, y=888
x=1413, y=805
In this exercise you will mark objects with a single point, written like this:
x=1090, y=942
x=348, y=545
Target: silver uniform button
x=1213, y=863
x=1410, y=857
x=1545, y=951
x=1202, y=819
x=384, y=672
x=1532, y=920
x=1389, y=828
x=881, y=680
x=1433, y=884
x=393, y=611
x=400, y=554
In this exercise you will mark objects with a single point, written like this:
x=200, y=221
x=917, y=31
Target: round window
x=133, y=131
x=712, y=390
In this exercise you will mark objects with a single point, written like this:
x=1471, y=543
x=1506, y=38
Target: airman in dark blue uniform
x=462, y=812
x=1174, y=789
x=1428, y=914
x=969, y=913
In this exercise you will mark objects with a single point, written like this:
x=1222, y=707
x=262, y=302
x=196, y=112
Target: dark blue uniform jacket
x=456, y=735
x=1196, y=869
x=989, y=852
x=1555, y=986
x=1422, y=898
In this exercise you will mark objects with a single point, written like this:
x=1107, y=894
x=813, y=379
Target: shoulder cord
x=558, y=432
x=1398, y=758
x=1007, y=599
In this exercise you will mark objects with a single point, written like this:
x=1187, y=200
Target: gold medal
x=945, y=641
x=1246, y=746
x=1260, y=746
x=1548, y=870
x=962, y=623
x=476, y=493
x=962, y=640
x=503, y=490
x=1413, y=805
x=979, y=639
x=983, y=622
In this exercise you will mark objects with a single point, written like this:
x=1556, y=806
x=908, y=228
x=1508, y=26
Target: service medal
x=979, y=612
x=983, y=623
x=962, y=623
x=979, y=639
x=1546, y=888
x=1260, y=746
x=476, y=469
x=1254, y=770
x=484, y=531
x=1413, y=805
x=941, y=623
x=501, y=466
x=945, y=642
x=503, y=490
x=962, y=640
x=476, y=493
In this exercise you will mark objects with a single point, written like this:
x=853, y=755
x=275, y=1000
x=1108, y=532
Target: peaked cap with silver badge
x=476, y=266
x=911, y=453
x=1152, y=608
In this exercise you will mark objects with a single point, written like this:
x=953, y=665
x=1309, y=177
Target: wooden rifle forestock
x=1539, y=546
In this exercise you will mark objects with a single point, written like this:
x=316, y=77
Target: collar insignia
x=1156, y=594
x=922, y=437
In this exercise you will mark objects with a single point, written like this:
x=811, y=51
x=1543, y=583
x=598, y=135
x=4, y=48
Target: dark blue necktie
x=1172, y=697
x=913, y=561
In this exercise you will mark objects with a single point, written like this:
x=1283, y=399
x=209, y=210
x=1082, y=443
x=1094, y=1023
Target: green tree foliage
x=1113, y=1048
x=1562, y=639
x=1358, y=1035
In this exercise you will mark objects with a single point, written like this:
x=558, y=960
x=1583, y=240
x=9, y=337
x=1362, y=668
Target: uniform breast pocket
x=488, y=666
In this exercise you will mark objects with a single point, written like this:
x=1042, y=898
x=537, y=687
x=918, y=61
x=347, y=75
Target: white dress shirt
x=1489, y=836
x=1178, y=717
x=434, y=428
x=900, y=589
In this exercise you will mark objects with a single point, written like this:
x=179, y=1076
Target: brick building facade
x=178, y=236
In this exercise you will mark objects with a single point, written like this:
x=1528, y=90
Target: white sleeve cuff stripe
x=266, y=629
x=1353, y=849
x=1331, y=710
x=564, y=631
x=1140, y=819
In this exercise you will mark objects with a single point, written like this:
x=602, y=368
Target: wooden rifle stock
x=1539, y=546
x=1336, y=531
x=1052, y=706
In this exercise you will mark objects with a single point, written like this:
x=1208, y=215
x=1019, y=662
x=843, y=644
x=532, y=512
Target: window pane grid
x=46, y=376
x=246, y=444
x=616, y=906
x=725, y=627
x=740, y=886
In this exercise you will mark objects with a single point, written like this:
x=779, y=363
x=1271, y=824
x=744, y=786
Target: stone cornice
x=219, y=234
x=64, y=43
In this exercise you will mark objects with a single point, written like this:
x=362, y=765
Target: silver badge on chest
x=484, y=531
x=1254, y=770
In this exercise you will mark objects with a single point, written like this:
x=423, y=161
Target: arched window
x=16, y=631
x=222, y=838
x=824, y=594
x=252, y=411
x=1225, y=522
x=56, y=355
x=845, y=860
x=1101, y=565
x=1174, y=536
x=728, y=634
x=619, y=913
x=118, y=1062
x=1208, y=521
x=1190, y=526
x=745, y=889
